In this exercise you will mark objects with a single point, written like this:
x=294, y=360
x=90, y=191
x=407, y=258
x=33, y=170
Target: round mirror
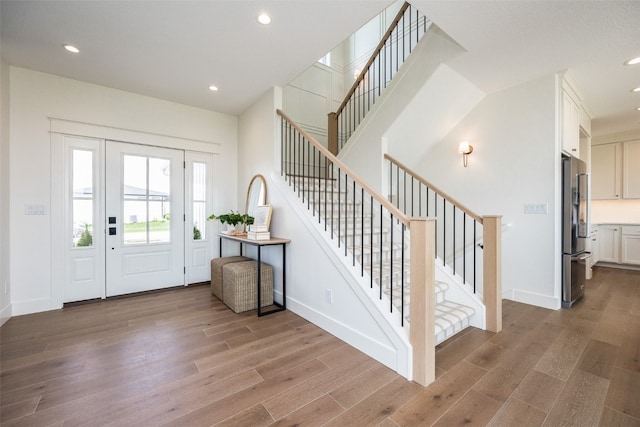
x=256, y=193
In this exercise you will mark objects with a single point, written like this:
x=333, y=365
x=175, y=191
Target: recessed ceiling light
x=636, y=89
x=633, y=61
x=71, y=48
x=213, y=88
x=264, y=19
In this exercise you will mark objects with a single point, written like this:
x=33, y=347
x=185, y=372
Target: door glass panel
x=159, y=206
x=199, y=200
x=159, y=224
x=146, y=204
x=135, y=222
x=82, y=199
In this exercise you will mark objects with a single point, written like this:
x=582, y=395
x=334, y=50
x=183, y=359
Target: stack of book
x=258, y=232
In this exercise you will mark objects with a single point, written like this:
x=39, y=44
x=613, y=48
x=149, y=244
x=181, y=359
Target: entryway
x=134, y=217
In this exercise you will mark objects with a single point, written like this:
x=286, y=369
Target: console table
x=274, y=241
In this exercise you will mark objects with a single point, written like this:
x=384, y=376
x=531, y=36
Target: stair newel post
x=492, y=271
x=332, y=134
x=422, y=301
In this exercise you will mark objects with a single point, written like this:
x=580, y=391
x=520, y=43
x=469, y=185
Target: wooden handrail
x=435, y=189
x=397, y=213
x=377, y=50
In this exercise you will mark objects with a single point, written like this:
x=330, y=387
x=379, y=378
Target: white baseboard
x=613, y=265
x=532, y=298
x=33, y=306
x=5, y=314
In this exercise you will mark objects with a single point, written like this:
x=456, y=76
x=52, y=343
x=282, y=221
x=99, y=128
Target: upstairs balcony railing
x=465, y=242
x=373, y=234
x=404, y=33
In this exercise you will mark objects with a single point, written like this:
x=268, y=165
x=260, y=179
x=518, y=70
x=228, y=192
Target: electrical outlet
x=328, y=296
x=6, y=288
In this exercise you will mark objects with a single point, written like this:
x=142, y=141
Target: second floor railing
x=467, y=243
x=404, y=33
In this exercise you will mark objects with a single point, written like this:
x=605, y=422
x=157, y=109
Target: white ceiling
x=175, y=49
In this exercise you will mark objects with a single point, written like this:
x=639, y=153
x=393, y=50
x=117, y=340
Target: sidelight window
x=199, y=200
x=82, y=198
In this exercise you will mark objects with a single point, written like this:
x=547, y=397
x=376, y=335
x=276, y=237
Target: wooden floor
x=182, y=358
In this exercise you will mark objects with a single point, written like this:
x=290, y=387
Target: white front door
x=144, y=219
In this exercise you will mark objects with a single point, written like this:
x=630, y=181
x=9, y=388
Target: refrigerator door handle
x=584, y=256
x=584, y=203
x=588, y=181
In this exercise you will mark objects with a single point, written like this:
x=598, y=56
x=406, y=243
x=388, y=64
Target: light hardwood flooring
x=181, y=358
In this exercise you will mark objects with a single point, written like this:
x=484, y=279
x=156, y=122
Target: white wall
x=307, y=99
x=516, y=160
x=257, y=132
x=439, y=105
x=36, y=97
x=5, y=294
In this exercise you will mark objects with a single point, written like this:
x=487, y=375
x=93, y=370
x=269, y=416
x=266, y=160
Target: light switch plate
x=34, y=210
x=536, y=208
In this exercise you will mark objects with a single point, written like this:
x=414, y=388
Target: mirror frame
x=262, y=201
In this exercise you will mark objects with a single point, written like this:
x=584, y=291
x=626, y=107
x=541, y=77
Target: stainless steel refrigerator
x=576, y=199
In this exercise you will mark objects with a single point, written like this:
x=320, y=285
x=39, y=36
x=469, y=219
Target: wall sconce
x=465, y=149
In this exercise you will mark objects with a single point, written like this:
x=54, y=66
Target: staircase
x=375, y=253
x=391, y=248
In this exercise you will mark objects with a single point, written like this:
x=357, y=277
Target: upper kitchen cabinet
x=631, y=170
x=574, y=119
x=615, y=170
x=570, y=126
x=606, y=168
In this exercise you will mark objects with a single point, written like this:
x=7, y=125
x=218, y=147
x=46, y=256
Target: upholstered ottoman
x=240, y=285
x=216, y=272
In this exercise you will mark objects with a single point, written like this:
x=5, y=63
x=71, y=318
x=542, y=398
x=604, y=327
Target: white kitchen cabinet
x=606, y=171
x=570, y=126
x=630, y=244
x=594, y=245
x=631, y=170
x=609, y=239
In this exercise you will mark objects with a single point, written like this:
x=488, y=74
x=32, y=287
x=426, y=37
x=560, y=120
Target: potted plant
x=234, y=220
